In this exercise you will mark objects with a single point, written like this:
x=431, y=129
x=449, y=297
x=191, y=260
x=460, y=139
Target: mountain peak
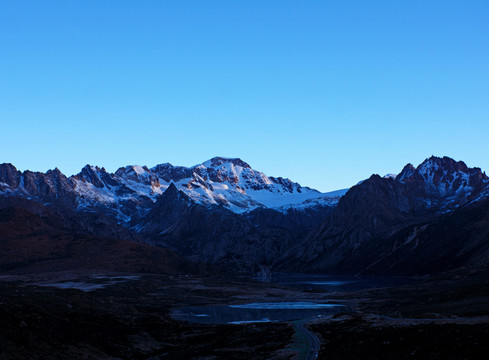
x=88, y=169
x=172, y=193
x=443, y=176
x=93, y=175
x=133, y=171
x=447, y=163
x=219, y=160
x=406, y=172
x=54, y=171
x=448, y=166
x=171, y=190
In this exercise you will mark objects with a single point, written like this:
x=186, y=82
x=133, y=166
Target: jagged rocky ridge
x=381, y=220
x=225, y=213
x=221, y=212
x=131, y=190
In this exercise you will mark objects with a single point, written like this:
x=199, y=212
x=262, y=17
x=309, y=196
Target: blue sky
x=323, y=92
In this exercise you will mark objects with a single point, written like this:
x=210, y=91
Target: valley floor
x=99, y=315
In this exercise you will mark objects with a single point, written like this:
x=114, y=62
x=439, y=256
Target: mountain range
x=427, y=219
x=231, y=183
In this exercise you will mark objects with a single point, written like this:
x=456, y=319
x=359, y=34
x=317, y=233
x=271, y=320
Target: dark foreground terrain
x=356, y=338
x=439, y=318
x=128, y=320
x=117, y=299
x=116, y=316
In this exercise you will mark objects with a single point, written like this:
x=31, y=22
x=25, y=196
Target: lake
x=254, y=312
x=287, y=310
x=335, y=283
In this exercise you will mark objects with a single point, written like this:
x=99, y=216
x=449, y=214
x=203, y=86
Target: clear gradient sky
x=323, y=92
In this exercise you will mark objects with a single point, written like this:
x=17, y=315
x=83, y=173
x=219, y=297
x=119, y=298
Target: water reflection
x=335, y=283
x=254, y=312
x=284, y=305
x=291, y=310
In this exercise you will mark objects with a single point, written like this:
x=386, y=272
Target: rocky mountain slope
x=38, y=240
x=225, y=213
x=247, y=243
x=220, y=212
x=378, y=222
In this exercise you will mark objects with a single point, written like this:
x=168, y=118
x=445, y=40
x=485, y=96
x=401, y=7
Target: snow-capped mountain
x=444, y=182
x=231, y=183
x=235, y=185
x=382, y=218
x=224, y=212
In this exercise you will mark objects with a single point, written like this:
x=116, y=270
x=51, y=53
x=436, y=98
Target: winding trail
x=314, y=343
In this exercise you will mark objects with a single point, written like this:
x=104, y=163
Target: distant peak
x=442, y=175
x=163, y=165
x=9, y=166
x=92, y=168
x=442, y=160
x=54, y=171
x=406, y=172
x=445, y=162
x=390, y=176
x=218, y=160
